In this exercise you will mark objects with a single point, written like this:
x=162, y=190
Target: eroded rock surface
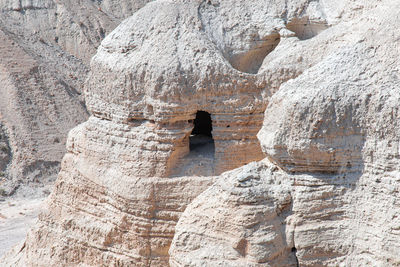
x=239, y=221
x=45, y=49
x=332, y=136
x=319, y=78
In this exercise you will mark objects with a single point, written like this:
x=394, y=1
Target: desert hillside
x=211, y=133
x=45, y=49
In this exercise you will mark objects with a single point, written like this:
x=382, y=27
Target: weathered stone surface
x=332, y=136
x=77, y=27
x=325, y=196
x=45, y=48
x=239, y=221
x=100, y=213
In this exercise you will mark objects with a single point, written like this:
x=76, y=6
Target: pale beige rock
x=325, y=195
x=39, y=105
x=239, y=221
x=99, y=212
x=333, y=137
x=77, y=27
x=149, y=145
x=45, y=47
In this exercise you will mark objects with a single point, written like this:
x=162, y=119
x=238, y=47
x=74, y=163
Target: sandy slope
x=17, y=215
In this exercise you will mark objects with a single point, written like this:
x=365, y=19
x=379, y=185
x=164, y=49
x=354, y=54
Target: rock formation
x=177, y=94
x=327, y=194
x=45, y=49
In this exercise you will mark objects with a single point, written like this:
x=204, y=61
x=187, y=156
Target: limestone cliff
x=328, y=193
x=177, y=94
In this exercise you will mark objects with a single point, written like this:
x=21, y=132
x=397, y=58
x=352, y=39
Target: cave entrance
x=201, y=140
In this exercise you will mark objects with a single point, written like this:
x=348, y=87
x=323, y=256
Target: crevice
x=136, y=121
x=294, y=251
x=102, y=33
x=242, y=247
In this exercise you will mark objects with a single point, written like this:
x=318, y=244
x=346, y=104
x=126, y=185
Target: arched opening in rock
x=201, y=140
x=251, y=60
x=306, y=29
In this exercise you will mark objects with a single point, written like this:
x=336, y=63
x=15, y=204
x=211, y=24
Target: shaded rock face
x=323, y=89
x=5, y=151
x=46, y=47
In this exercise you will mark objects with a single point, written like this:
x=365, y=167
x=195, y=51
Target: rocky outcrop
x=46, y=47
x=177, y=94
x=240, y=220
x=146, y=97
x=100, y=213
x=207, y=66
x=327, y=194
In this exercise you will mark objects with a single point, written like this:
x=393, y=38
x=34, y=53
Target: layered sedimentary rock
x=45, y=50
x=328, y=193
x=144, y=92
x=324, y=196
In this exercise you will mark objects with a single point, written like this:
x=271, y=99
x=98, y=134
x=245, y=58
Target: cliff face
x=177, y=94
x=45, y=49
x=327, y=194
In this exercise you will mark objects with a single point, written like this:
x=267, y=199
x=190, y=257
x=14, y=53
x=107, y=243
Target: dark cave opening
x=201, y=139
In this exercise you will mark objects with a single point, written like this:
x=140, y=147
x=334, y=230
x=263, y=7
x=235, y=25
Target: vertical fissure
x=294, y=251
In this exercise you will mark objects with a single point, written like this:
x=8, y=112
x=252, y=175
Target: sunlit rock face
x=177, y=94
x=327, y=194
